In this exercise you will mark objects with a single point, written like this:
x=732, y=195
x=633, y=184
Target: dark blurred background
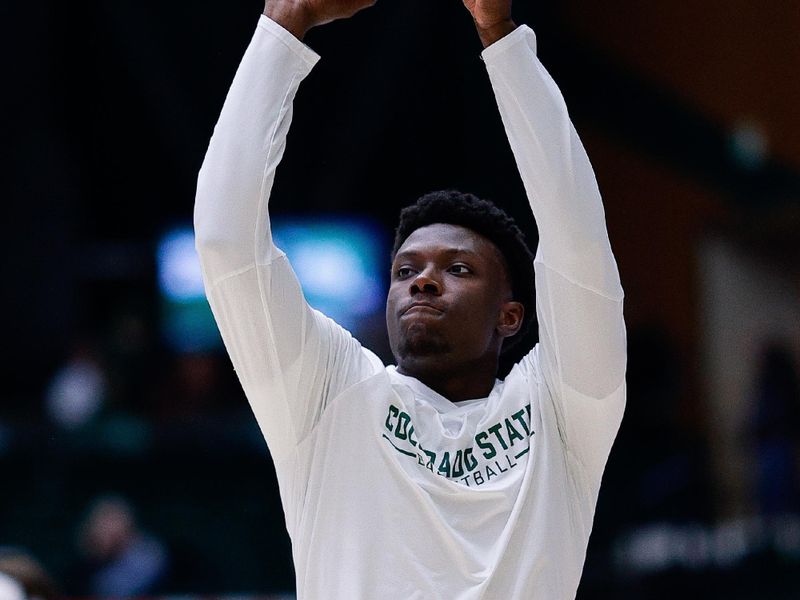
x=127, y=455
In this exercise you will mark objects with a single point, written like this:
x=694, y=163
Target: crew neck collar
x=434, y=398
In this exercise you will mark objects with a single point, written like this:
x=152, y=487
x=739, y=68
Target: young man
x=430, y=479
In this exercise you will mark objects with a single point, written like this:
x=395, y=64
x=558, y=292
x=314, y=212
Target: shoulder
x=527, y=370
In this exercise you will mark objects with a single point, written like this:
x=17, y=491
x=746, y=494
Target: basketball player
x=431, y=478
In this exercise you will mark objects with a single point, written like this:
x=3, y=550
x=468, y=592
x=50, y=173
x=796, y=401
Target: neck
x=471, y=381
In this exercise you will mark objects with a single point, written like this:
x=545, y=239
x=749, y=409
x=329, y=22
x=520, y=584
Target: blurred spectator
x=77, y=391
x=192, y=388
x=198, y=388
x=777, y=432
x=133, y=358
x=26, y=574
x=119, y=559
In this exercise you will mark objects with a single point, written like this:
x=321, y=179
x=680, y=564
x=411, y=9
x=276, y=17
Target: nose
x=425, y=283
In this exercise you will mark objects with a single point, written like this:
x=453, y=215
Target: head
x=462, y=285
x=108, y=529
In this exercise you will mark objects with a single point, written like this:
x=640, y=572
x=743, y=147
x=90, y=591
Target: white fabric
x=389, y=489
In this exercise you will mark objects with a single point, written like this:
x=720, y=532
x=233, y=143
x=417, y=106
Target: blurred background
x=130, y=461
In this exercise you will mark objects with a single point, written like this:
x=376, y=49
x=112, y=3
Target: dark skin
x=449, y=309
x=492, y=18
x=449, y=306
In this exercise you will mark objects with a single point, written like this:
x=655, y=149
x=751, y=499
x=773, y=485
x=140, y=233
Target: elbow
x=587, y=261
x=218, y=249
x=205, y=201
x=216, y=226
x=219, y=256
x=227, y=220
x=214, y=242
x=208, y=249
x=212, y=251
x=208, y=239
x=224, y=243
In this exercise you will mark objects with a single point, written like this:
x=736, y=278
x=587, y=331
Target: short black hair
x=487, y=219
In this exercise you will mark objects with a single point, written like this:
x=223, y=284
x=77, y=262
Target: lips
x=422, y=307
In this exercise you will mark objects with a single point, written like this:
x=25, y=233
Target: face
x=449, y=303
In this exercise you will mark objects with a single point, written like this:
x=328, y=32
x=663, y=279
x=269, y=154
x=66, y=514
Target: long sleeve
x=231, y=217
x=290, y=359
x=581, y=353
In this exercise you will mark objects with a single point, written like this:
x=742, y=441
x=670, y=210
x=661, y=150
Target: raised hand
x=492, y=19
x=298, y=16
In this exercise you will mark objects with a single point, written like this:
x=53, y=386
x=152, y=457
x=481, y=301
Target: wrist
x=292, y=15
x=489, y=35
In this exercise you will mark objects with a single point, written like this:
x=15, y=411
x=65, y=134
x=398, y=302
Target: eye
x=403, y=272
x=460, y=269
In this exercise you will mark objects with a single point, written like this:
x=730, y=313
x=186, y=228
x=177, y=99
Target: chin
x=418, y=346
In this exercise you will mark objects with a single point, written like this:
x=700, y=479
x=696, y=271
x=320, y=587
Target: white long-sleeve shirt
x=390, y=490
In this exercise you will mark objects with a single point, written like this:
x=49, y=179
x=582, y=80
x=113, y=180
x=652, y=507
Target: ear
x=510, y=318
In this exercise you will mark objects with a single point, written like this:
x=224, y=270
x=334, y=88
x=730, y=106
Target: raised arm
x=581, y=353
x=231, y=218
x=298, y=16
x=289, y=358
x=492, y=19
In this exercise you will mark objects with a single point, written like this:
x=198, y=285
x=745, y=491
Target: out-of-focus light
x=187, y=323
x=10, y=589
x=76, y=393
x=179, y=274
x=662, y=546
x=749, y=145
x=338, y=261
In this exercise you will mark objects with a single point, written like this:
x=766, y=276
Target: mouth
x=421, y=308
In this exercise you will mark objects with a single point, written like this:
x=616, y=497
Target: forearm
x=578, y=292
x=290, y=359
x=231, y=218
x=553, y=164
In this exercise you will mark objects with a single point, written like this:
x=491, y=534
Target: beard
x=419, y=341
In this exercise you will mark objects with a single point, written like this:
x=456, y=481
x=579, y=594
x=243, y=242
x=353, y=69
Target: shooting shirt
x=391, y=491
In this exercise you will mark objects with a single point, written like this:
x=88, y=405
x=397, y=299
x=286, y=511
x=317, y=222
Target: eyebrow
x=449, y=252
